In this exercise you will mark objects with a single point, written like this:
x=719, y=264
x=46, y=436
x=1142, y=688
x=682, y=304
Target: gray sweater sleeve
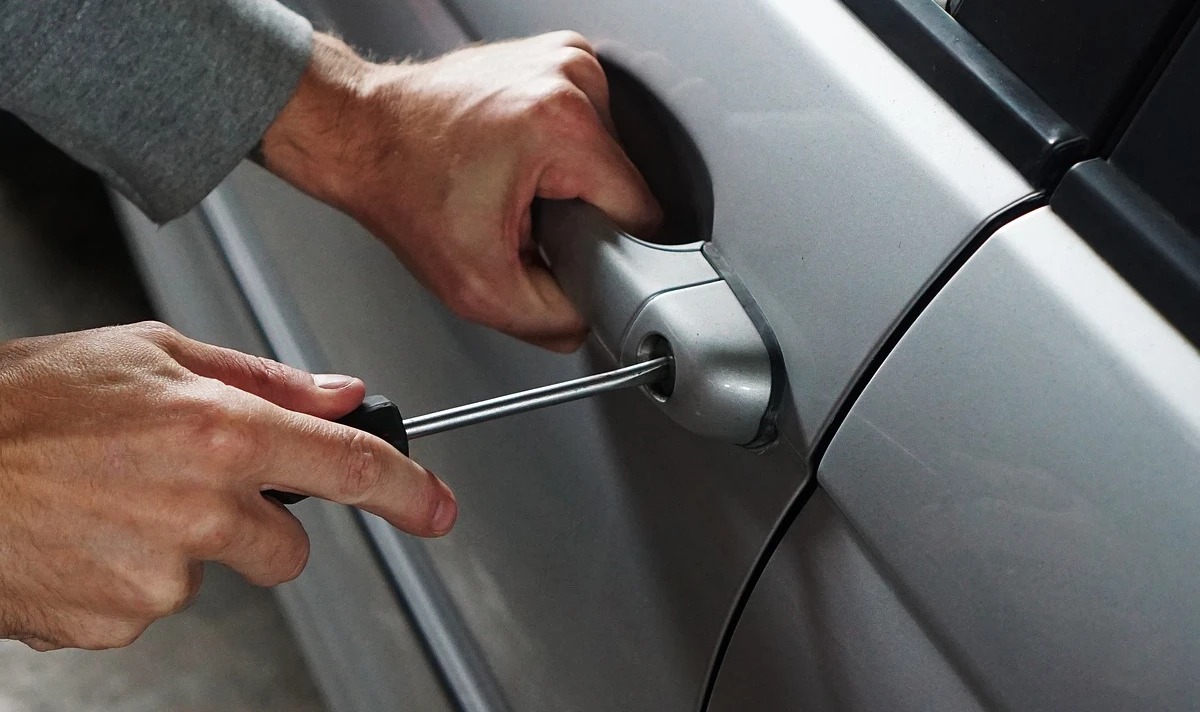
x=162, y=97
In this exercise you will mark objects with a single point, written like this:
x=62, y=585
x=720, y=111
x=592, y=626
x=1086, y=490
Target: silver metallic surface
x=826, y=631
x=1024, y=466
x=608, y=274
x=272, y=315
x=842, y=184
x=722, y=369
x=372, y=638
x=449, y=645
x=188, y=280
x=638, y=374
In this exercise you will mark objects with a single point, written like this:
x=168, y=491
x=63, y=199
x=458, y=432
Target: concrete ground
x=63, y=268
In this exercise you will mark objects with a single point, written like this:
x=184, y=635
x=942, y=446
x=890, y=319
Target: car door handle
x=646, y=300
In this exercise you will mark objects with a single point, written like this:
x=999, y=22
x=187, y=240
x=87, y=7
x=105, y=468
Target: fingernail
x=332, y=381
x=444, y=516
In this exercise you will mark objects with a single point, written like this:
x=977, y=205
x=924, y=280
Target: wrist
x=314, y=142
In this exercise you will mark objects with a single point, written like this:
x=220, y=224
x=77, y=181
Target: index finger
x=324, y=459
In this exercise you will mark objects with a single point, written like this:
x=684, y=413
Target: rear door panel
x=1024, y=465
x=1010, y=509
x=1019, y=473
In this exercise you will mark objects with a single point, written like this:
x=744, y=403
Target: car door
x=1007, y=516
x=602, y=546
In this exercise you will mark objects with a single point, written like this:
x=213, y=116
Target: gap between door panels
x=978, y=237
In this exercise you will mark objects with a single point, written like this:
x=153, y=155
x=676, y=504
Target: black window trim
x=1001, y=107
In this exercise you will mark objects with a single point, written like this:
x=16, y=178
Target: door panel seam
x=979, y=236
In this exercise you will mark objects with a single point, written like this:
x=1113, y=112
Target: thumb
x=324, y=395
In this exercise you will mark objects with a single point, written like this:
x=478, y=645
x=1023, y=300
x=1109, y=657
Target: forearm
x=161, y=97
x=313, y=142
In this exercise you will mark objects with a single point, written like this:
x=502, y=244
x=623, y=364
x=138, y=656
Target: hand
x=441, y=160
x=130, y=455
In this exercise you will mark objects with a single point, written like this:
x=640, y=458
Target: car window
x=1086, y=58
x=1137, y=206
x=1160, y=151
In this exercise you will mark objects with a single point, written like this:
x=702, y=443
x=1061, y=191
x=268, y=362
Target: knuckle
x=156, y=332
x=106, y=635
x=362, y=468
x=164, y=595
x=123, y=634
x=559, y=99
x=570, y=101
x=216, y=435
x=264, y=373
x=578, y=59
x=212, y=530
x=227, y=446
x=474, y=298
x=565, y=111
x=42, y=646
x=571, y=38
x=291, y=560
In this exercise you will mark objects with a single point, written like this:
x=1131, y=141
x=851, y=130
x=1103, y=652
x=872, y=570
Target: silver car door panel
x=344, y=612
x=396, y=28
x=825, y=630
x=842, y=184
x=367, y=655
x=591, y=536
x=188, y=279
x=1023, y=466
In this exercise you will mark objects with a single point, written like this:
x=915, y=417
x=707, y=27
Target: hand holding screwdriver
x=130, y=455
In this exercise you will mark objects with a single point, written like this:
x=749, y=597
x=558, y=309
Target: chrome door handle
x=646, y=300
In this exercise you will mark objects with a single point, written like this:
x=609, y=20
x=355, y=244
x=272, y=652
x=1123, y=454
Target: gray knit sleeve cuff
x=161, y=97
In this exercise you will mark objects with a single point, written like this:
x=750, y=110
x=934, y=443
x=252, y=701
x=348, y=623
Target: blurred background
x=64, y=267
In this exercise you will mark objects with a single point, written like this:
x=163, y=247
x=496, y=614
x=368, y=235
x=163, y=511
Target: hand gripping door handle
x=645, y=300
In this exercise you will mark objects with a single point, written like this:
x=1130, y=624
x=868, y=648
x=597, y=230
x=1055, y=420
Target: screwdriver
x=379, y=416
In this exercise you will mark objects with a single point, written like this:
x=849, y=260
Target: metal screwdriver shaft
x=380, y=417
x=639, y=374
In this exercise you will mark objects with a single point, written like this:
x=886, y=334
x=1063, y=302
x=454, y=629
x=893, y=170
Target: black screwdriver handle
x=378, y=416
